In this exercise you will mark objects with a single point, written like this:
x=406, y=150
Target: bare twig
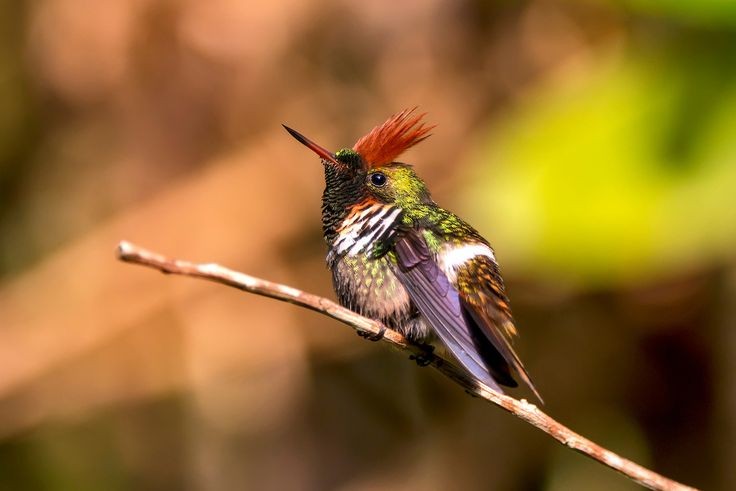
x=521, y=408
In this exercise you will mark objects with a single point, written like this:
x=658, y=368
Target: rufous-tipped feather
x=386, y=142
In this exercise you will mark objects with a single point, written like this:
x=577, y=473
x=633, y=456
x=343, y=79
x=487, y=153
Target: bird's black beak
x=323, y=153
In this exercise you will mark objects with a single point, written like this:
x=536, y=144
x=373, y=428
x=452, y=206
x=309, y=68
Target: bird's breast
x=369, y=287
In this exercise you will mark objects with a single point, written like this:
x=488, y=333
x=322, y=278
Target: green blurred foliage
x=624, y=172
x=704, y=12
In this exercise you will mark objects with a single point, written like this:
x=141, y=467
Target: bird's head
x=368, y=171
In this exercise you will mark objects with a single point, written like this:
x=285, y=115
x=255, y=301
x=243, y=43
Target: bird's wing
x=482, y=294
x=471, y=325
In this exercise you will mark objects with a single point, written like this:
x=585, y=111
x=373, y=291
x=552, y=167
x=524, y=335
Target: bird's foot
x=426, y=358
x=371, y=336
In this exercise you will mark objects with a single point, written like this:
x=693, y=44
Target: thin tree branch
x=520, y=408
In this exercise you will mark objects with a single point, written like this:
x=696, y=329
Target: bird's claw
x=373, y=337
x=426, y=358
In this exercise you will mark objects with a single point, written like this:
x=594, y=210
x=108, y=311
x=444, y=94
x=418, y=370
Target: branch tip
x=124, y=250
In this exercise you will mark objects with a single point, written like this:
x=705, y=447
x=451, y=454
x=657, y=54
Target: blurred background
x=593, y=142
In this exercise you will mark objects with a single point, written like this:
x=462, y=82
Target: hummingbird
x=399, y=258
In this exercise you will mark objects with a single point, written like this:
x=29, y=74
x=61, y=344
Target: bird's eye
x=378, y=179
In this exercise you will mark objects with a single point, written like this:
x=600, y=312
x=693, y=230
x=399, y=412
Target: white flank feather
x=452, y=257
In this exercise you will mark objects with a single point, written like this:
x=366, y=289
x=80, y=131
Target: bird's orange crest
x=386, y=142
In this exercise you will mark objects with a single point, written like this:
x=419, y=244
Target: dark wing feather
x=462, y=323
x=440, y=304
x=482, y=295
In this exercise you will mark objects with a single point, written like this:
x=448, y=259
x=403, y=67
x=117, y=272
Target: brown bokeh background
x=591, y=141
